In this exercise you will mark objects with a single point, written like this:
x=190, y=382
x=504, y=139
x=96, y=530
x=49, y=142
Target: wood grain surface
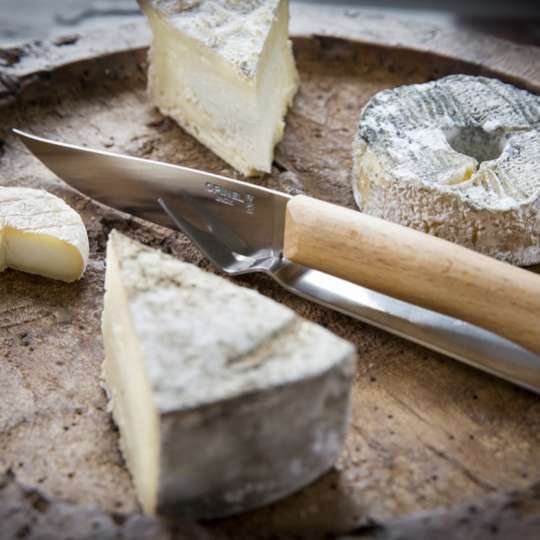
x=426, y=432
x=513, y=515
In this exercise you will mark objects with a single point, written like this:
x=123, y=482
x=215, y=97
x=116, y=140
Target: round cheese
x=458, y=158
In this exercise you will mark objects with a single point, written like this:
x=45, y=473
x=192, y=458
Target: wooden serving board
x=426, y=431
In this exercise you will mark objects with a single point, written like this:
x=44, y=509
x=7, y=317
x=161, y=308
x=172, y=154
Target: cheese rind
x=40, y=234
x=457, y=158
x=225, y=72
x=225, y=399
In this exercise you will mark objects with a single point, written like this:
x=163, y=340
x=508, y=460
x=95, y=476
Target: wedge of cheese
x=224, y=70
x=458, y=158
x=40, y=234
x=225, y=400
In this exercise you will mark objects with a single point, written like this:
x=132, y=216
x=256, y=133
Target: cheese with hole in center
x=41, y=234
x=225, y=400
x=458, y=158
x=224, y=70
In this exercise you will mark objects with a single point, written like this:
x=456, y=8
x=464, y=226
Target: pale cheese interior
x=40, y=254
x=239, y=118
x=41, y=234
x=131, y=398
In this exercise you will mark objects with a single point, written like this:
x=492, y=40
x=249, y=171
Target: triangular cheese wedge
x=225, y=399
x=40, y=234
x=225, y=72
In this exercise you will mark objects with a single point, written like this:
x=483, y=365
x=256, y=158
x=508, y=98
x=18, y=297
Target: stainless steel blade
x=240, y=227
x=252, y=216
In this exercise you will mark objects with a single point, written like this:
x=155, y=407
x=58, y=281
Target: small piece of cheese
x=458, y=158
x=224, y=70
x=225, y=400
x=40, y=234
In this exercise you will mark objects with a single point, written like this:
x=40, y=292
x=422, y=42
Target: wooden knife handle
x=415, y=267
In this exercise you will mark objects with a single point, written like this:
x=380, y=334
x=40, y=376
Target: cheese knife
x=453, y=300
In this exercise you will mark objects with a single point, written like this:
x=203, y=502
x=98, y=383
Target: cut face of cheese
x=457, y=158
x=40, y=234
x=225, y=72
x=225, y=400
